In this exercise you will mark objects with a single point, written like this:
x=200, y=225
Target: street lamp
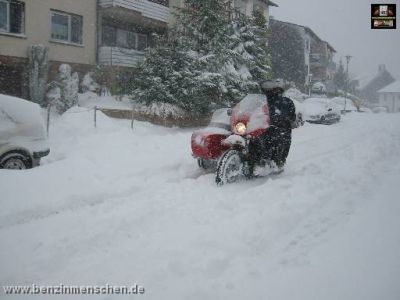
x=348, y=57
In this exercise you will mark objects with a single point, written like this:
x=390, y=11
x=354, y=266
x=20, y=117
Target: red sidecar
x=206, y=142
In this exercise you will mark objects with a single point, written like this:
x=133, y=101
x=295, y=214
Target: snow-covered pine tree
x=251, y=43
x=38, y=68
x=340, y=77
x=88, y=84
x=198, y=65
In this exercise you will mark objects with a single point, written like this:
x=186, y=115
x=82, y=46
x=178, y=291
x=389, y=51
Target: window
x=162, y=2
x=66, y=27
x=109, y=36
x=142, y=42
x=116, y=37
x=12, y=16
x=122, y=38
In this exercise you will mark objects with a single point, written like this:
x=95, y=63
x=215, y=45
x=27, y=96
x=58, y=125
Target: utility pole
x=348, y=57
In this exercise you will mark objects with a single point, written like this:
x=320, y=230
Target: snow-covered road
x=118, y=206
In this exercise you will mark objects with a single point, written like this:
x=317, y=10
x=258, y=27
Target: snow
x=234, y=140
x=119, y=206
x=90, y=100
x=391, y=88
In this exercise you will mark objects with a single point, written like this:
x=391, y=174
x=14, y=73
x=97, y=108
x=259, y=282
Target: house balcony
x=119, y=57
x=318, y=60
x=144, y=8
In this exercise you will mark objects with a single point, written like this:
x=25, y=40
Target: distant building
x=367, y=87
x=389, y=97
x=299, y=55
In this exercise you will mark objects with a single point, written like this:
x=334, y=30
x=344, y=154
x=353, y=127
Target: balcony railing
x=121, y=57
x=318, y=60
x=147, y=8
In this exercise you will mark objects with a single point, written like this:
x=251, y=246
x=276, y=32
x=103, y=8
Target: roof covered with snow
x=270, y=3
x=391, y=88
x=364, y=80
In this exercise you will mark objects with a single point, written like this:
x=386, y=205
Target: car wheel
x=15, y=161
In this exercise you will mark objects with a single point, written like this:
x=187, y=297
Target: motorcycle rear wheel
x=230, y=168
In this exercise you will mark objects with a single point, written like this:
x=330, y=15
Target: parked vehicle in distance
x=320, y=111
x=344, y=104
x=380, y=109
x=22, y=134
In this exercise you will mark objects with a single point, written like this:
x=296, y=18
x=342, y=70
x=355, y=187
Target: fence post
x=132, y=118
x=95, y=117
x=48, y=119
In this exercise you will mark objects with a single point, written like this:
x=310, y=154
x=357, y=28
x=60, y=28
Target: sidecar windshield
x=250, y=104
x=253, y=111
x=220, y=119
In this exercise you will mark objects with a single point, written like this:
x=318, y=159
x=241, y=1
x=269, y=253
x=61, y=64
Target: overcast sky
x=346, y=25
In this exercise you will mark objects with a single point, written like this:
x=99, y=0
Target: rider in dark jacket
x=278, y=138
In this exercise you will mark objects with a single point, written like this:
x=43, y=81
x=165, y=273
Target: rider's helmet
x=273, y=85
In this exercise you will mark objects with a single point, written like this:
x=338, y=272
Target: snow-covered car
x=320, y=111
x=22, y=134
x=380, y=109
x=318, y=88
x=343, y=104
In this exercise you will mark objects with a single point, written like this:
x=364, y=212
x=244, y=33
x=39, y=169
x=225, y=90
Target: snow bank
x=112, y=205
x=90, y=100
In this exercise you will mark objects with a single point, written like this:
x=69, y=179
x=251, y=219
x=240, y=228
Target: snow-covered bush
x=38, y=69
x=64, y=91
x=89, y=84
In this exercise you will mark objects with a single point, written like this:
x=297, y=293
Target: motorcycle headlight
x=240, y=128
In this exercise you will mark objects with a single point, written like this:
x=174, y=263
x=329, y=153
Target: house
x=124, y=31
x=66, y=28
x=367, y=87
x=299, y=55
x=84, y=34
x=110, y=33
x=247, y=7
x=389, y=97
